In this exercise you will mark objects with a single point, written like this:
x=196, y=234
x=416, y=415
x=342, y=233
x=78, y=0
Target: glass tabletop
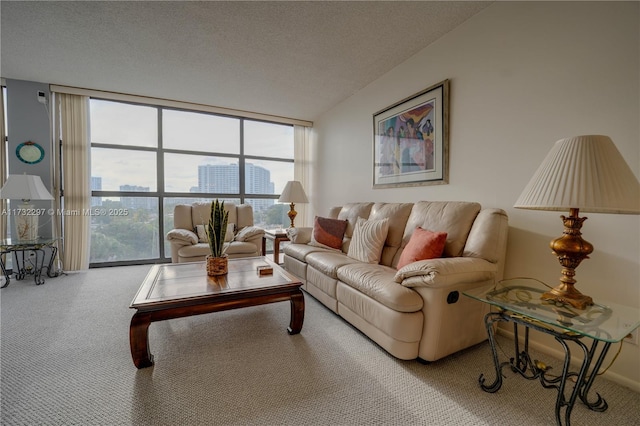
x=603, y=321
x=183, y=281
x=15, y=242
x=279, y=233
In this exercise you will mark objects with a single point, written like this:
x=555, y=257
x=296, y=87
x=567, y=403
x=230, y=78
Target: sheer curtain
x=74, y=121
x=3, y=167
x=302, y=171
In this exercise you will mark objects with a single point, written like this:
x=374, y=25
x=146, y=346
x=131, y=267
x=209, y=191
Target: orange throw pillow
x=423, y=245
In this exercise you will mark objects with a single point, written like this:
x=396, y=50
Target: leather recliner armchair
x=189, y=243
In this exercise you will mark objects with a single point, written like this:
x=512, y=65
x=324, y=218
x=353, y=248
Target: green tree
x=277, y=215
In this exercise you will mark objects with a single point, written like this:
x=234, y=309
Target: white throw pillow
x=231, y=229
x=368, y=240
x=202, y=235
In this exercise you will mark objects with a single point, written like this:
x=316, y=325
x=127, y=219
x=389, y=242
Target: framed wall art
x=411, y=140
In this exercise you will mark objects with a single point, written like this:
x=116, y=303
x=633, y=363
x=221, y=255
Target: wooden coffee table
x=183, y=289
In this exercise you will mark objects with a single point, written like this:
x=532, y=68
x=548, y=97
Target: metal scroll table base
x=531, y=369
x=20, y=269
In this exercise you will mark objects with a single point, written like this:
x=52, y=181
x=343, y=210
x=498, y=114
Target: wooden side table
x=277, y=236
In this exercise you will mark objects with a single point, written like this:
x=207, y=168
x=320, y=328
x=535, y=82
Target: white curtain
x=74, y=121
x=3, y=167
x=56, y=182
x=302, y=171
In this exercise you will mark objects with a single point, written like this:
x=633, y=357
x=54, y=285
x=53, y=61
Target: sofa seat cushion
x=377, y=282
x=300, y=251
x=202, y=249
x=328, y=262
x=384, y=325
x=196, y=250
x=240, y=247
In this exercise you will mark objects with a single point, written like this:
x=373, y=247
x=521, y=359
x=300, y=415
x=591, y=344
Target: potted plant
x=216, y=231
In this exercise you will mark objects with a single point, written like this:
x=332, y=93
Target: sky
x=135, y=125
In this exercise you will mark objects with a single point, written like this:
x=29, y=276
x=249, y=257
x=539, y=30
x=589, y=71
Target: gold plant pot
x=217, y=266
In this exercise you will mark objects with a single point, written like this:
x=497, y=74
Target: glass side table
x=518, y=301
x=23, y=265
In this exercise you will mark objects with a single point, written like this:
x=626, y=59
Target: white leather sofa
x=418, y=311
x=188, y=245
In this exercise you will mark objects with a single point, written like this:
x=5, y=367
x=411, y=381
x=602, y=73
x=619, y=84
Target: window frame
x=160, y=194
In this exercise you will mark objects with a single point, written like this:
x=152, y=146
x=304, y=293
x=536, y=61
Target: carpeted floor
x=65, y=360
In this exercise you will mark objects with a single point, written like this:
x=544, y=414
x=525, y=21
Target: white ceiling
x=291, y=59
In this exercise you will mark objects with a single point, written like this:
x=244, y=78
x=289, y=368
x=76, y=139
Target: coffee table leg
x=297, y=312
x=139, y=340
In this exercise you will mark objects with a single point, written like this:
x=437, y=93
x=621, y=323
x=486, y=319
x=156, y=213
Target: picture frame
x=411, y=140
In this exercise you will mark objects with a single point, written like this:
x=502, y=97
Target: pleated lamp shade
x=25, y=187
x=586, y=173
x=293, y=193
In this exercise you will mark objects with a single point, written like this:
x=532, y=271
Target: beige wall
x=523, y=75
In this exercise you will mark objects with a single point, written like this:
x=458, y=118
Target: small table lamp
x=25, y=187
x=293, y=193
x=581, y=173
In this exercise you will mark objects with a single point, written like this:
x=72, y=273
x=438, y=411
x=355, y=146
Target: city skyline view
x=212, y=178
x=171, y=157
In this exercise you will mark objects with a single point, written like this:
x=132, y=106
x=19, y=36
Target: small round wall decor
x=30, y=152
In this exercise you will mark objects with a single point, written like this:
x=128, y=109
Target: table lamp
x=25, y=187
x=584, y=173
x=293, y=193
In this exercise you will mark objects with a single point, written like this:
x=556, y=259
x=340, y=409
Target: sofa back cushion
x=200, y=213
x=488, y=238
x=188, y=216
x=244, y=216
x=453, y=217
x=182, y=217
x=351, y=212
x=334, y=212
x=397, y=214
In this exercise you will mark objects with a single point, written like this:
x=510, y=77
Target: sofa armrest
x=182, y=235
x=444, y=272
x=249, y=233
x=300, y=235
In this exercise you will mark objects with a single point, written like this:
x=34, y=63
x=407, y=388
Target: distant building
x=96, y=185
x=219, y=179
x=225, y=179
x=134, y=203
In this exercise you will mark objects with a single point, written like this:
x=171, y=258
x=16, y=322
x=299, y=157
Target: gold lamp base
x=292, y=213
x=568, y=295
x=571, y=249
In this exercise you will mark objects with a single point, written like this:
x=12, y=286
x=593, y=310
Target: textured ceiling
x=290, y=59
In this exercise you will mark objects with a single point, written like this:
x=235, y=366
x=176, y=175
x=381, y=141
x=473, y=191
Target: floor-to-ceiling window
x=145, y=159
x=4, y=146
